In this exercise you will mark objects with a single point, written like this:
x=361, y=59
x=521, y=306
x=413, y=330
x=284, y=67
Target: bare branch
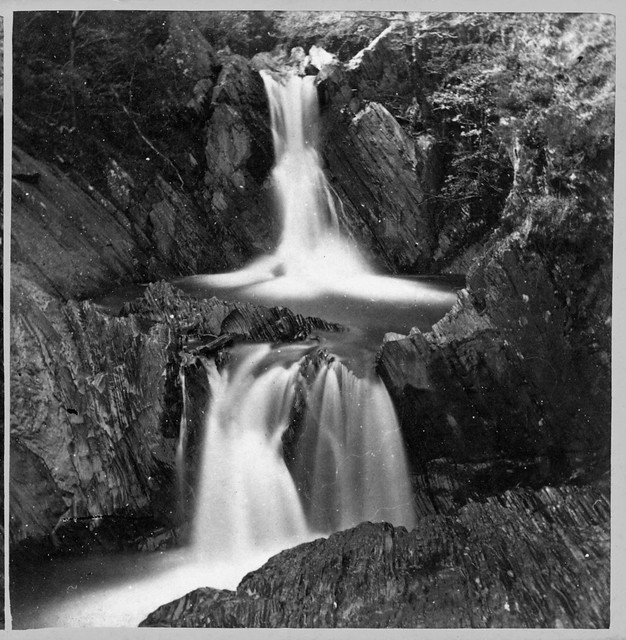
x=143, y=137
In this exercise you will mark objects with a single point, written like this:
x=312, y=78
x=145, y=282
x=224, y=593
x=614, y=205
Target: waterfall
x=350, y=460
x=348, y=465
x=310, y=235
x=346, y=460
x=247, y=500
x=313, y=257
x=181, y=449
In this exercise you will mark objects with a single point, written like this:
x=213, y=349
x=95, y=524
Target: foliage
x=245, y=33
x=524, y=107
x=92, y=85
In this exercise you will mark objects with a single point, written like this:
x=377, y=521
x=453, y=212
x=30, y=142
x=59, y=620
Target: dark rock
x=196, y=317
x=77, y=244
x=36, y=500
x=30, y=178
x=88, y=405
x=521, y=559
x=239, y=156
x=501, y=378
x=373, y=166
x=276, y=324
x=73, y=245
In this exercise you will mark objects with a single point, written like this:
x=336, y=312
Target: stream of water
x=348, y=463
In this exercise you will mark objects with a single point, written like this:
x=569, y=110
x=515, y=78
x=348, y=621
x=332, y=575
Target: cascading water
x=342, y=460
x=181, y=447
x=246, y=498
x=313, y=258
x=348, y=463
x=310, y=246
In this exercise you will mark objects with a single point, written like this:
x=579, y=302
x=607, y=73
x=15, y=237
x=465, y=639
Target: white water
x=313, y=258
x=350, y=460
x=247, y=500
x=181, y=447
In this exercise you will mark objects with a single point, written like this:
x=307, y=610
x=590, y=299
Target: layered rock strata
x=522, y=559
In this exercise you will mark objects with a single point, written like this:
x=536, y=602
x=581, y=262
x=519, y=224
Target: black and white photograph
x=309, y=318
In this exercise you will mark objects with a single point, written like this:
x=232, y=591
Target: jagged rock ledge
x=522, y=559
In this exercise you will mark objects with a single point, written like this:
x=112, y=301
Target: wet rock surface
x=373, y=165
x=522, y=559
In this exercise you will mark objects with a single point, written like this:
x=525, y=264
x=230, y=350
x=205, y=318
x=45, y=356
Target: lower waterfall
x=347, y=465
x=350, y=462
x=246, y=497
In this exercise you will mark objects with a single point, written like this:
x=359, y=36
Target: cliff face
x=87, y=414
x=504, y=380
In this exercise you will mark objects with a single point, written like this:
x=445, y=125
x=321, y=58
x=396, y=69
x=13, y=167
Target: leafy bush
x=521, y=103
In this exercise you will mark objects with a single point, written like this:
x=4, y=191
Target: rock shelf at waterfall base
x=522, y=559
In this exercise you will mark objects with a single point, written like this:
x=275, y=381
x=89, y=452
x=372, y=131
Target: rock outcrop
x=374, y=167
x=87, y=410
x=522, y=559
x=503, y=380
x=96, y=406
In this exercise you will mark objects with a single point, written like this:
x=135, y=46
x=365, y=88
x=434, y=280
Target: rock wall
x=373, y=165
x=87, y=414
x=503, y=381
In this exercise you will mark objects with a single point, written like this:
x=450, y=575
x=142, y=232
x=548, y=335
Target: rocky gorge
x=454, y=148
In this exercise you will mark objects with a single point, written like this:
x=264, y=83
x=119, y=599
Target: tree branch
x=143, y=137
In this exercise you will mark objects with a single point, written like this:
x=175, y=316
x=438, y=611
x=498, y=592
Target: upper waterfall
x=310, y=237
x=313, y=257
